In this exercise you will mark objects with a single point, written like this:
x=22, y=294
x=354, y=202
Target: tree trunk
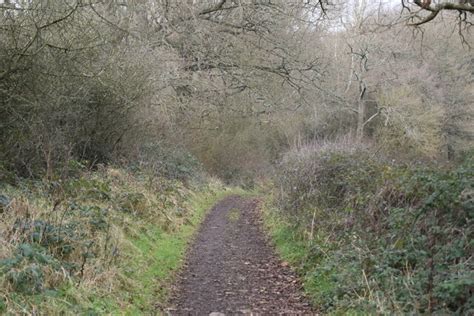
x=361, y=110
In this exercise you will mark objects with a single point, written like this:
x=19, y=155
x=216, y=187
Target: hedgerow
x=372, y=235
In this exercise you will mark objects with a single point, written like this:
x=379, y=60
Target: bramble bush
x=380, y=236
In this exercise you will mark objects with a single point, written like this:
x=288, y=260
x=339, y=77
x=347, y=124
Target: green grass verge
x=295, y=249
x=304, y=257
x=160, y=255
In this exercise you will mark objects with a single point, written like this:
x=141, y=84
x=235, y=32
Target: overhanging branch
x=434, y=10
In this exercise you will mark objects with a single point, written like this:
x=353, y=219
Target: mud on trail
x=232, y=269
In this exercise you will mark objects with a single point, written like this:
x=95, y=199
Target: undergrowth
x=104, y=241
x=372, y=236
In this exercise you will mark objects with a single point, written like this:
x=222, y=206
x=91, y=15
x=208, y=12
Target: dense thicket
x=71, y=86
x=379, y=236
x=98, y=81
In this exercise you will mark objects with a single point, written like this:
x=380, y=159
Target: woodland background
x=118, y=107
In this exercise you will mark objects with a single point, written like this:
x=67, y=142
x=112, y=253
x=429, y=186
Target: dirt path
x=231, y=269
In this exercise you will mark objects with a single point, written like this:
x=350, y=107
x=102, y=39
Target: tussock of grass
x=102, y=242
x=233, y=215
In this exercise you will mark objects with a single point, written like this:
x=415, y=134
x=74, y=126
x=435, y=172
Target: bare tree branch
x=462, y=6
